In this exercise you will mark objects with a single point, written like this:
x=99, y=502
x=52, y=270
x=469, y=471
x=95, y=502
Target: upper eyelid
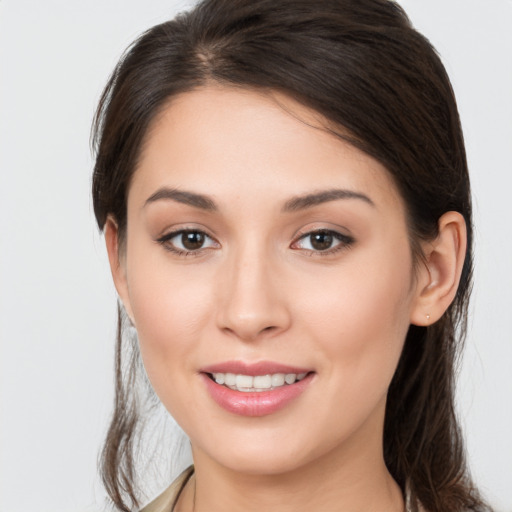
x=175, y=232
x=304, y=233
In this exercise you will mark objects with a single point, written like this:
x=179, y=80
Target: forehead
x=225, y=141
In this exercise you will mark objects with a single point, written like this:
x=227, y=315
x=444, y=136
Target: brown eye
x=187, y=241
x=321, y=241
x=192, y=240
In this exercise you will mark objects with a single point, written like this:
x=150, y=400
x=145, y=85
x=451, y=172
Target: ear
x=117, y=262
x=439, y=276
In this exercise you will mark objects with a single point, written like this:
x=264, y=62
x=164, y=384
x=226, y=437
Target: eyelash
x=345, y=242
x=165, y=242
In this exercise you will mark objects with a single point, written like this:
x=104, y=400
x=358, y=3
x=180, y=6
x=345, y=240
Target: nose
x=252, y=302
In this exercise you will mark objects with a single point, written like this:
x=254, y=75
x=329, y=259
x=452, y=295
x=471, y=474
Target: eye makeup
x=194, y=242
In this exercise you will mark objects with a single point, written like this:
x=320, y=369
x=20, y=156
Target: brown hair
x=362, y=66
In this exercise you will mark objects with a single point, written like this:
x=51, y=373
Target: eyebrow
x=308, y=201
x=181, y=196
x=292, y=205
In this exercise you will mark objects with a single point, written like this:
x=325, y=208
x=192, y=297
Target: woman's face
x=261, y=246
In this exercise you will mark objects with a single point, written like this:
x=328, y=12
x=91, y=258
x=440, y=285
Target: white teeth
x=248, y=383
x=290, y=378
x=277, y=380
x=263, y=381
x=229, y=379
x=244, y=381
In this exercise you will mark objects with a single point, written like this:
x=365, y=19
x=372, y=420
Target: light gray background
x=57, y=304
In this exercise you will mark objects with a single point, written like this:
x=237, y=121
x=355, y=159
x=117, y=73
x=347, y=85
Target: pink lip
x=258, y=403
x=259, y=368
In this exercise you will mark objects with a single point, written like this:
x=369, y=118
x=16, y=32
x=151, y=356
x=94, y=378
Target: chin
x=267, y=453
x=263, y=462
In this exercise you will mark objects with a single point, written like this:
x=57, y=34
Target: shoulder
x=165, y=502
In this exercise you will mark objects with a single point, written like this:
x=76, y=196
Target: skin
x=258, y=290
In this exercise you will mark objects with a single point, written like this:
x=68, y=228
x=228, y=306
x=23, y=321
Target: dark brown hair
x=361, y=65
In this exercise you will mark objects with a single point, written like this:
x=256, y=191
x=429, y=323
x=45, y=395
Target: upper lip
x=253, y=369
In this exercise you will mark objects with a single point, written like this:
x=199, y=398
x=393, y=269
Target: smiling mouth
x=256, y=383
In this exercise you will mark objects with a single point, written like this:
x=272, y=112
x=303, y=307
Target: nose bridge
x=252, y=301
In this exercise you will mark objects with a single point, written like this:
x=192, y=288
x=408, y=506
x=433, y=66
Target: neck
x=284, y=495
x=352, y=478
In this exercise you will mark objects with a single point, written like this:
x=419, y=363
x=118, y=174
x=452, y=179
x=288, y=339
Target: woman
x=285, y=199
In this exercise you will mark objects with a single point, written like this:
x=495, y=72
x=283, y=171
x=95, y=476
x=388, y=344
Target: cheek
x=170, y=305
x=359, y=318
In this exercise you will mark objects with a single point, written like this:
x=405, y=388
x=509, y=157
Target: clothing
x=167, y=500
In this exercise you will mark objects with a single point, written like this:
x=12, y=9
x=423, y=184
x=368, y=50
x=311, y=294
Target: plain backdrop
x=57, y=303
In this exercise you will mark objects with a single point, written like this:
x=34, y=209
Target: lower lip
x=257, y=403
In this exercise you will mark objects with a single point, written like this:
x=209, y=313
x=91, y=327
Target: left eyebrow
x=309, y=200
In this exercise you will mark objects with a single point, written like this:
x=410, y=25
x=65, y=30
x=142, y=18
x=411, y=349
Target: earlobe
x=439, y=277
x=117, y=263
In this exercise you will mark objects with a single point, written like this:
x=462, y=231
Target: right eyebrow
x=183, y=196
